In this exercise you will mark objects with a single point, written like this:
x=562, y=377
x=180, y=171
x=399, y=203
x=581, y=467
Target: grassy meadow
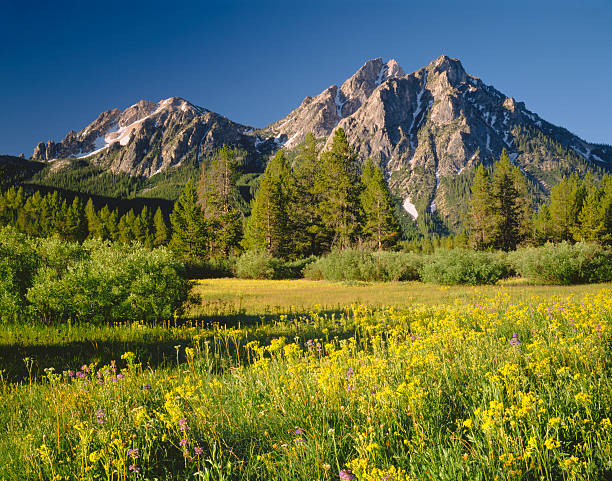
x=311, y=380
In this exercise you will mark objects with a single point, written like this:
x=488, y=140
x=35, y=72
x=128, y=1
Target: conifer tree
x=161, y=230
x=510, y=205
x=220, y=199
x=566, y=199
x=308, y=231
x=481, y=215
x=93, y=221
x=591, y=219
x=268, y=227
x=380, y=226
x=189, y=229
x=338, y=190
x=74, y=228
x=541, y=226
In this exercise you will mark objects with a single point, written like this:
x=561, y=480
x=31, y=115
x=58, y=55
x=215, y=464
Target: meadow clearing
x=316, y=380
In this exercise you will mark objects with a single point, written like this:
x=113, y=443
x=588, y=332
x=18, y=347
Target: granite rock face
x=430, y=126
x=426, y=129
x=148, y=137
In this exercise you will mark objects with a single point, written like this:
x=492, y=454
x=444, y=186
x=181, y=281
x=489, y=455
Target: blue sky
x=255, y=61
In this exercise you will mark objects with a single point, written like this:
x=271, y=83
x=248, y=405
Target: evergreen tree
x=605, y=188
x=189, y=229
x=510, y=222
x=161, y=230
x=566, y=200
x=309, y=234
x=481, y=216
x=380, y=226
x=93, y=221
x=74, y=225
x=591, y=219
x=220, y=199
x=338, y=190
x=268, y=227
x=125, y=229
x=541, y=226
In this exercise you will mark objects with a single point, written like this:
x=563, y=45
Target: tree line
x=307, y=206
x=308, y=203
x=501, y=214
x=50, y=214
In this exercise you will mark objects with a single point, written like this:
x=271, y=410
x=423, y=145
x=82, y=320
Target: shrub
x=261, y=265
x=462, y=266
x=18, y=264
x=361, y=265
x=211, y=268
x=101, y=281
x=564, y=263
x=256, y=265
x=399, y=266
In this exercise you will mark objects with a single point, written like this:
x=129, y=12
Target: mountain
x=428, y=129
x=148, y=138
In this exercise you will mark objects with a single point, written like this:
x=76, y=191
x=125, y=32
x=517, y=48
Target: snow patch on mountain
x=410, y=208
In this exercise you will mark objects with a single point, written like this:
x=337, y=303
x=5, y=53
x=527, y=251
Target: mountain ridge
x=424, y=128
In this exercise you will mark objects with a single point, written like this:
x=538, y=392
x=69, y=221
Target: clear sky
x=255, y=61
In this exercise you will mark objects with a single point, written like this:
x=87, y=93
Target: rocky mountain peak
x=453, y=68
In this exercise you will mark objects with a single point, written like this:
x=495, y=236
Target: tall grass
x=488, y=390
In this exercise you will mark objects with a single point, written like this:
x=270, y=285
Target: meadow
x=314, y=380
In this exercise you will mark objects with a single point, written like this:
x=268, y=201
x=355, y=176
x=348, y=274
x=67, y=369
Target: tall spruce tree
x=481, y=211
x=309, y=234
x=189, y=229
x=268, y=228
x=566, y=199
x=220, y=199
x=161, y=229
x=380, y=227
x=591, y=219
x=338, y=189
x=510, y=206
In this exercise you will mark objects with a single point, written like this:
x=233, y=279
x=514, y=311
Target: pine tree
x=161, y=230
x=380, y=226
x=93, y=221
x=220, y=199
x=338, y=189
x=510, y=218
x=125, y=229
x=605, y=187
x=566, y=200
x=268, y=227
x=591, y=219
x=481, y=215
x=308, y=230
x=541, y=226
x=74, y=226
x=189, y=229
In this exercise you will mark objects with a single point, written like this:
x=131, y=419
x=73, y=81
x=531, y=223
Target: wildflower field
x=488, y=388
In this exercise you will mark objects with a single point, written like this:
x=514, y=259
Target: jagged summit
x=426, y=129
x=145, y=138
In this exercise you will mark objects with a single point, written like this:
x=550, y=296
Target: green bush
x=361, y=265
x=256, y=265
x=261, y=265
x=564, y=263
x=106, y=282
x=211, y=268
x=18, y=265
x=462, y=266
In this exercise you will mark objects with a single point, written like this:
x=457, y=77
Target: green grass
x=488, y=389
x=233, y=300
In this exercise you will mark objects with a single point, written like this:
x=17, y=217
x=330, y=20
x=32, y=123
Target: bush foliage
x=53, y=280
x=564, y=263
